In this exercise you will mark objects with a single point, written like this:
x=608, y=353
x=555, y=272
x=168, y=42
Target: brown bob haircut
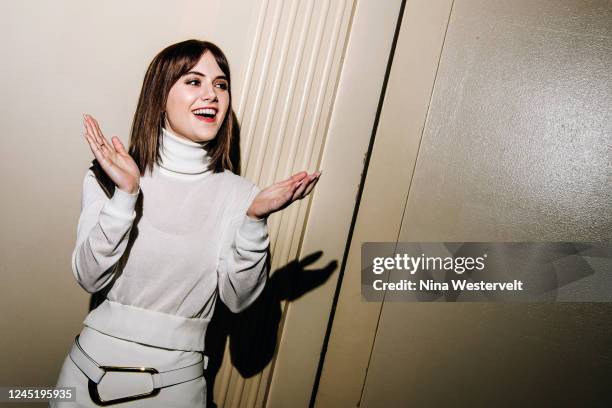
x=166, y=68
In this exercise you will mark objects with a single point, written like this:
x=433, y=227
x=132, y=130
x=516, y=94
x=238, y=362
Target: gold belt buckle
x=95, y=396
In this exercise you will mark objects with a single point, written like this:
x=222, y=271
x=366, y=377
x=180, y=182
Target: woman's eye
x=193, y=82
x=222, y=85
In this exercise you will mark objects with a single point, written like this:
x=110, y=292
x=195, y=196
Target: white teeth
x=205, y=111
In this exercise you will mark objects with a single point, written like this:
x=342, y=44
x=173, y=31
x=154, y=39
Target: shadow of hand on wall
x=253, y=333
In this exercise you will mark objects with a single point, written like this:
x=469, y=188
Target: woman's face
x=198, y=102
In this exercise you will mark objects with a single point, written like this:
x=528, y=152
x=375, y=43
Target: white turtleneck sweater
x=190, y=241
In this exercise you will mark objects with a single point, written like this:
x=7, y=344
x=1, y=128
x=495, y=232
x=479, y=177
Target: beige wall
x=495, y=127
x=61, y=59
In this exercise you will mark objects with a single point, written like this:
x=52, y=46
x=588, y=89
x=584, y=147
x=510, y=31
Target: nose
x=208, y=92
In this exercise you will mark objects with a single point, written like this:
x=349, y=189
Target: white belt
x=95, y=372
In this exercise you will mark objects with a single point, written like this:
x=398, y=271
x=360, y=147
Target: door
x=495, y=127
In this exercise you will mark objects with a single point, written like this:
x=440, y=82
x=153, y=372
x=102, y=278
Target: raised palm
x=113, y=158
x=282, y=194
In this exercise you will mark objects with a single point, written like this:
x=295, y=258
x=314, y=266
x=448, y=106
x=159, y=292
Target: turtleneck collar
x=182, y=157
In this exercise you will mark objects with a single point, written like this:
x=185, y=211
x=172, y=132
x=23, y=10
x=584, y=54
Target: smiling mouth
x=206, y=115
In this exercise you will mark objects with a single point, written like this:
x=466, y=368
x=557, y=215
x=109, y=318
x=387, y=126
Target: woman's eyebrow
x=201, y=74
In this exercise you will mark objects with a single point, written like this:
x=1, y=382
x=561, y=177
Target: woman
x=166, y=229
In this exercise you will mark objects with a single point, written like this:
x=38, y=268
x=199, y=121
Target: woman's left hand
x=280, y=195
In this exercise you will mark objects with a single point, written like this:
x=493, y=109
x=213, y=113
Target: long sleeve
x=242, y=270
x=102, y=233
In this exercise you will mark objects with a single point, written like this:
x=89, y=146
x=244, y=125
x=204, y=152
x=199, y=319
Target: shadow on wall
x=253, y=333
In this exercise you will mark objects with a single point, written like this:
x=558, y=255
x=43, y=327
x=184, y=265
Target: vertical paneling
x=285, y=105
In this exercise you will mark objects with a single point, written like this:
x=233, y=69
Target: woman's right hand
x=113, y=158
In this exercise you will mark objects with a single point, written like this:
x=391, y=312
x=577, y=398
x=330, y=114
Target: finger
x=100, y=135
x=107, y=165
x=119, y=147
x=90, y=131
x=299, y=176
x=300, y=190
x=295, y=178
x=107, y=148
x=95, y=148
x=102, y=153
x=310, y=187
x=92, y=144
x=101, y=147
x=107, y=151
x=302, y=175
x=305, y=186
x=94, y=135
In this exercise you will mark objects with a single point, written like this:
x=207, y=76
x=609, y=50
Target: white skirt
x=112, y=351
